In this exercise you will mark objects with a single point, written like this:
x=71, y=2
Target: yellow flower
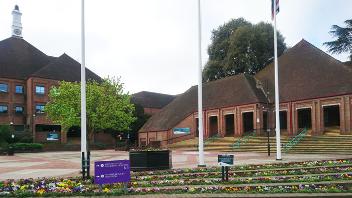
x=41, y=191
x=106, y=190
x=191, y=190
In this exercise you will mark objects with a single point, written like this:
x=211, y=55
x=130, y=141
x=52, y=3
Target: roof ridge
x=303, y=41
x=252, y=87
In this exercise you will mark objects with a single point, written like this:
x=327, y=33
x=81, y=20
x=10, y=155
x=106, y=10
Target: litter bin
x=10, y=151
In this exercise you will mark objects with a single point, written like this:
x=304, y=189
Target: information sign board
x=225, y=160
x=108, y=172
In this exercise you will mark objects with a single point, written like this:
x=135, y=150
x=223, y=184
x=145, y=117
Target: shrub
x=26, y=138
x=5, y=135
x=100, y=145
x=27, y=146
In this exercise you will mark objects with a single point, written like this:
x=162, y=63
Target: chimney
x=16, y=22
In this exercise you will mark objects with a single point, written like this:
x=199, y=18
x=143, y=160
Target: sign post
x=225, y=161
x=109, y=172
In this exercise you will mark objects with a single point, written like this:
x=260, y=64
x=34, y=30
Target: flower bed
x=244, y=173
x=73, y=187
x=251, y=167
x=250, y=180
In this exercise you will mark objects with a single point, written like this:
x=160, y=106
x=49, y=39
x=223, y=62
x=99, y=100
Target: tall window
x=40, y=89
x=39, y=108
x=3, y=109
x=18, y=109
x=3, y=88
x=19, y=89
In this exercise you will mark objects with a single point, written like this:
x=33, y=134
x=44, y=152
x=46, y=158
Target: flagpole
x=200, y=105
x=83, y=89
x=277, y=103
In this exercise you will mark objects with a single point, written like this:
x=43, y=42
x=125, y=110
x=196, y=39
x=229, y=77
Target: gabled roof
x=306, y=72
x=230, y=91
x=19, y=59
x=151, y=99
x=349, y=63
x=64, y=68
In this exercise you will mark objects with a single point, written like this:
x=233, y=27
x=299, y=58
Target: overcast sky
x=152, y=44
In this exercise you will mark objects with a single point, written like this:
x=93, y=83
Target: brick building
x=315, y=93
x=26, y=75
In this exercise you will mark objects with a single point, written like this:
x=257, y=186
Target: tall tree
x=108, y=107
x=343, y=42
x=240, y=47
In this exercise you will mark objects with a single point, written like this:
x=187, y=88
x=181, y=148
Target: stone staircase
x=330, y=142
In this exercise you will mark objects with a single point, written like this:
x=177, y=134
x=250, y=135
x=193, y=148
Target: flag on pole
x=273, y=7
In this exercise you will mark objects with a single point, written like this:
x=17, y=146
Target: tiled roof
x=230, y=91
x=64, y=68
x=306, y=72
x=151, y=99
x=21, y=60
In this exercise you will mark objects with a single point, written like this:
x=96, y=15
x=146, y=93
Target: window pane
x=3, y=87
x=19, y=89
x=39, y=89
x=3, y=109
x=19, y=128
x=39, y=108
x=19, y=109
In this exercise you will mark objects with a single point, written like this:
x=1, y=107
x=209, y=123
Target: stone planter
x=150, y=160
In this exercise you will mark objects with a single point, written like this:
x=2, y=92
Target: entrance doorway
x=265, y=121
x=229, y=125
x=197, y=128
x=74, y=135
x=304, y=117
x=331, y=118
x=283, y=120
x=213, y=125
x=247, y=121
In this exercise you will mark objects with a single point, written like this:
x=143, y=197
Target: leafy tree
x=108, y=107
x=141, y=119
x=241, y=47
x=343, y=43
x=139, y=122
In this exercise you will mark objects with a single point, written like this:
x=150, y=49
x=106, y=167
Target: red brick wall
x=11, y=100
x=104, y=138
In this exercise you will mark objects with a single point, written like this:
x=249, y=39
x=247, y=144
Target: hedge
x=27, y=146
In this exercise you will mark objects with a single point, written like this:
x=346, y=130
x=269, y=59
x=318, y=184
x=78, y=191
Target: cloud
x=152, y=44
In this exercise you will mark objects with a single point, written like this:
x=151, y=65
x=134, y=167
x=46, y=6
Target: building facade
x=315, y=93
x=26, y=76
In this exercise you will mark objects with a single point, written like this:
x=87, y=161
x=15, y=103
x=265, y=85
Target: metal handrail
x=295, y=140
x=243, y=140
x=211, y=139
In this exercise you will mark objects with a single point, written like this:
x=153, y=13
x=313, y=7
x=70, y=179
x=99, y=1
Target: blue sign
x=178, y=131
x=225, y=160
x=108, y=172
x=52, y=137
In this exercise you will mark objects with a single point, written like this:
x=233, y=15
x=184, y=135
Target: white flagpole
x=277, y=103
x=200, y=105
x=83, y=87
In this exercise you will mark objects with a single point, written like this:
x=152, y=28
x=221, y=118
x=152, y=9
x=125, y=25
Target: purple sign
x=108, y=172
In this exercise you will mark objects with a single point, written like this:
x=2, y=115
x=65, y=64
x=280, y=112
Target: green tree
x=108, y=107
x=343, y=42
x=241, y=47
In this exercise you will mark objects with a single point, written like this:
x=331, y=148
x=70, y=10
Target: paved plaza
x=65, y=164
